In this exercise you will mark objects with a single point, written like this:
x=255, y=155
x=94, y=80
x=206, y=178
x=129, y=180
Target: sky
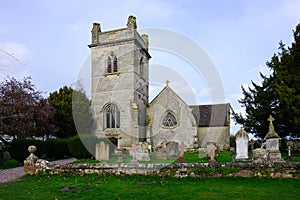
x=48, y=40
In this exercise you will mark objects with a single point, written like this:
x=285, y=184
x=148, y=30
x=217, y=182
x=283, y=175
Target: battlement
x=120, y=35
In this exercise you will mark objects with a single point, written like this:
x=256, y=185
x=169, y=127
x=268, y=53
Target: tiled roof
x=211, y=115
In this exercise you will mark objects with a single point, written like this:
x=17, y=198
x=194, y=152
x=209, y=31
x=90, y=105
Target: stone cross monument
x=272, y=140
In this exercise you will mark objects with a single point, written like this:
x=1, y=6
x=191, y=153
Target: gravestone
x=102, y=151
x=168, y=150
x=211, y=151
x=289, y=156
x=241, y=140
x=172, y=150
x=181, y=147
x=259, y=155
x=29, y=163
x=142, y=152
x=272, y=143
x=120, y=155
x=133, y=153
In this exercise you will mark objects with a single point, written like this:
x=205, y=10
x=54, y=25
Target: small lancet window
x=169, y=120
x=115, y=64
x=109, y=65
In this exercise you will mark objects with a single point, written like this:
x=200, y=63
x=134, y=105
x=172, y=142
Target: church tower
x=120, y=82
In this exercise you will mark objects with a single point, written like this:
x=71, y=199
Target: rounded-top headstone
x=241, y=133
x=32, y=149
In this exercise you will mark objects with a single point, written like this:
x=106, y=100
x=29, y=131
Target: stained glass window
x=169, y=120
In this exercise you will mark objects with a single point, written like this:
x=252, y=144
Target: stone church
x=120, y=93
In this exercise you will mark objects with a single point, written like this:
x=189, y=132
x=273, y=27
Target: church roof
x=166, y=89
x=211, y=115
x=205, y=115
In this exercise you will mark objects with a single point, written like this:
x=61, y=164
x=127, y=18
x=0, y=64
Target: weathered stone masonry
x=204, y=170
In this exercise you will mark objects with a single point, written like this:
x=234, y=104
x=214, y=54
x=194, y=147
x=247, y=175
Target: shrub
x=57, y=148
x=83, y=146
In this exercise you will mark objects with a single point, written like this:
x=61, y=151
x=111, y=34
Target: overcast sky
x=48, y=40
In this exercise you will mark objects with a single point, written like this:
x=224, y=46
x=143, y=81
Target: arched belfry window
x=109, y=64
x=115, y=64
x=169, y=120
x=142, y=67
x=112, y=63
x=111, y=116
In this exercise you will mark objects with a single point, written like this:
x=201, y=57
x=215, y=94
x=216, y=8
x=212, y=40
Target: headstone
x=289, y=151
x=172, y=150
x=272, y=143
x=289, y=156
x=142, y=153
x=259, y=155
x=167, y=151
x=29, y=163
x=120, y=155
x=211, y=151
x=133, y=153
x=241, y=140
x=181, y=147
x=102, y=151
x=6, y=155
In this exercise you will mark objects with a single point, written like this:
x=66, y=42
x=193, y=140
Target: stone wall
x=204, y=170
x=184, y=131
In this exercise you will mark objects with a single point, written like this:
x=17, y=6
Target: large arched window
x=111, y=116
x=169, y=120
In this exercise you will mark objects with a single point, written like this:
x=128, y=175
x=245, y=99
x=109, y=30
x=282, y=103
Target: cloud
x=13, y=54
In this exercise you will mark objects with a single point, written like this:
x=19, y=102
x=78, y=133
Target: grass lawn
x=145, y=187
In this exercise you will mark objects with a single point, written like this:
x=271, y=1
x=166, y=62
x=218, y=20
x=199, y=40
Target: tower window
x=169, y=120
x=109, y=65
x=142, y=67
x=112, y=64
x=111, y=116
x=115, y=64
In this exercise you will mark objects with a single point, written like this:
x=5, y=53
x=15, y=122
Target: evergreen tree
x=73, y=112
x=277, y=95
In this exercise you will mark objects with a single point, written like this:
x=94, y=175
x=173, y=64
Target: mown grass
x=147, y=187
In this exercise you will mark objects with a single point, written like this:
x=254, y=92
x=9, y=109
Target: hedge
x=79, y=147
x=19, y=148
x=83, y=146
x=50, y=149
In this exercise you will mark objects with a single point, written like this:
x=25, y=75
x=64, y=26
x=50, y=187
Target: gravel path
x=7, y=175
